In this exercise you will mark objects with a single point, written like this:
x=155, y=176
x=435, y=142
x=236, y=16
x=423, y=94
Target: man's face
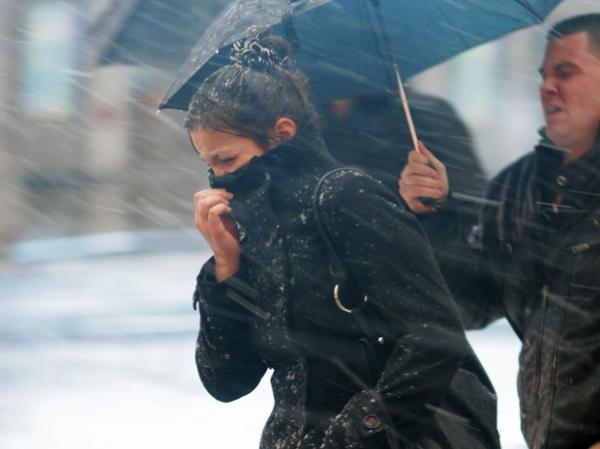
x=570, y=92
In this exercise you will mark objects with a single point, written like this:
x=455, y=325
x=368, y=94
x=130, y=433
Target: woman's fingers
x=218, y=216
x=223, y=236
x=214, y=221
x=204, y=201
x=210, y=196
x=211, y=192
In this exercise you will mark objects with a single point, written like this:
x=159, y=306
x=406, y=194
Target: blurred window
x=48, y=60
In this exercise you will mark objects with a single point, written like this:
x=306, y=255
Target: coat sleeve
x=455, y=232
x=453, y=229
x=386, y=252
x=227, y=364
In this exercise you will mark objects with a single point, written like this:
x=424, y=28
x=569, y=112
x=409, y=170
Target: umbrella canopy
x=345, y=47
x=159, y=33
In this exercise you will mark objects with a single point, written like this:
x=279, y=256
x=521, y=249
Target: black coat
x=374, y=136
x=539, y=265
x=277, y=312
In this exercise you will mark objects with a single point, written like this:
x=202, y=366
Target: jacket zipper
x=539, y=355
x=541, y=330
x=582, y=247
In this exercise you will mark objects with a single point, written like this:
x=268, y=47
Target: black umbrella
x=350, y=47
x=347, y=47
x=158, y=33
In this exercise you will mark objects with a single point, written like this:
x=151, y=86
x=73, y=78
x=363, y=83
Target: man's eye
x=228, y=160
x=563, y=74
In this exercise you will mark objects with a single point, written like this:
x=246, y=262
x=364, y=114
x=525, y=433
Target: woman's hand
x=213, y=220
x=424, y=176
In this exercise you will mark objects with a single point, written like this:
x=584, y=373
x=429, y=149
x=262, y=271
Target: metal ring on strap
x=338, y=301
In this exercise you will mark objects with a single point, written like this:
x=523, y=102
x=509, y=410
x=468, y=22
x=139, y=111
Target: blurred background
x=97, y=251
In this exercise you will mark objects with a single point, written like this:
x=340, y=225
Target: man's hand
x=423, y=177
x=595, y=446
x=213, y=220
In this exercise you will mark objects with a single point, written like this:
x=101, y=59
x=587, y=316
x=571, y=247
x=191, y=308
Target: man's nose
x=548, y=86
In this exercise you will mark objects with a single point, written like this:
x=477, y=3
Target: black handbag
x=377, y=341
x=470, y=401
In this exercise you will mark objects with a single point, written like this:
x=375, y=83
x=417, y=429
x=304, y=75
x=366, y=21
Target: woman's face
x=224, y=153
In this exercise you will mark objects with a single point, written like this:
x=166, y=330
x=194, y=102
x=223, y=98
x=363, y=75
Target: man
x=537, y=246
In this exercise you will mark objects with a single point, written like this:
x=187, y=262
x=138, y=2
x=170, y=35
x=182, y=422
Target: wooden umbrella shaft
x=404, y=100
x=401, y=92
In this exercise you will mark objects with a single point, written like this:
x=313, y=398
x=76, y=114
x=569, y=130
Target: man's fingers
x=416, y=158
x=414, y=192
x=419, y=208
x=424, y=176
x=424, y=181
x=416, y=205
x=420, y=170
x=434, y=161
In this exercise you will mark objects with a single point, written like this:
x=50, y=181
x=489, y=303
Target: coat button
x=371, y=422
x=561, y=180
x=381, y=340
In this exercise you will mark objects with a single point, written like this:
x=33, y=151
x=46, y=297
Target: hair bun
x=261, y=51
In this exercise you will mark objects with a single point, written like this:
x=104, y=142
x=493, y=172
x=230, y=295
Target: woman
x=265, y=296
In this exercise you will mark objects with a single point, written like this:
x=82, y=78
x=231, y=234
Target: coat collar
x=578, y=182
x=296, y=157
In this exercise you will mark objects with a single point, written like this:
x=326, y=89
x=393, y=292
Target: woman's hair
x=247, y=96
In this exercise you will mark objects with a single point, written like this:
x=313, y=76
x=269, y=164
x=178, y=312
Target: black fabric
x=537, y=263
x=373, y=135
x=292, y=325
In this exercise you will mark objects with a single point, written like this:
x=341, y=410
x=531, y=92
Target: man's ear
x=285, y=128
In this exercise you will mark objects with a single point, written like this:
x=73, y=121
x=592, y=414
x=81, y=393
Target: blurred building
x=11, y=193
x=82, y=149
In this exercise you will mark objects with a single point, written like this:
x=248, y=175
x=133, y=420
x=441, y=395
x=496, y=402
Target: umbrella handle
x=404, y=101
x=411, y=127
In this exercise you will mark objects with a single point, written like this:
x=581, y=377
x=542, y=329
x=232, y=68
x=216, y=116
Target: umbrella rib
x=369, y=19
x=529, y=8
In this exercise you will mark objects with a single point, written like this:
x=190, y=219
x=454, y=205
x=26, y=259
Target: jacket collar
x=302, y=154
x=578, y=182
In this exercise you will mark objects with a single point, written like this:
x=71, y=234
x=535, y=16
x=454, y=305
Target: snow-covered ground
x=97, y=353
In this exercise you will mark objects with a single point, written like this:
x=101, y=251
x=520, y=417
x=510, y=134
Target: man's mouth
x=551, y=110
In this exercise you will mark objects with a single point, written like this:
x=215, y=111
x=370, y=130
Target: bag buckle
x=338, y=301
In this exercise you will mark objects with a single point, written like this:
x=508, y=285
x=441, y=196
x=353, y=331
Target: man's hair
x=589, y=23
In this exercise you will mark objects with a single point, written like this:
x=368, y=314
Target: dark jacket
x=374, y=136
x=278, y=312
x=539, y=265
